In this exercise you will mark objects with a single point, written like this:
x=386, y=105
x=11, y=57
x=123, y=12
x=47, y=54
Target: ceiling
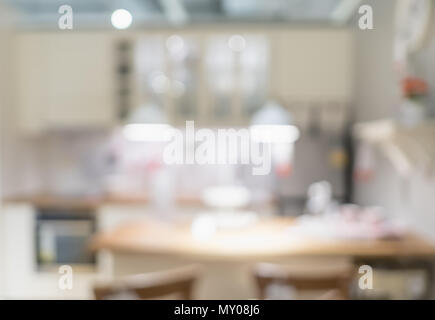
x=96, y=13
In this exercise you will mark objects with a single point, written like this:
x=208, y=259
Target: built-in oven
x=62, y=237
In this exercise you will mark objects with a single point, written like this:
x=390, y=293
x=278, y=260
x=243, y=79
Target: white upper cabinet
x=314, y=65
x=69, y=80
x=217, y=77
x=32, y=56
x=65, y=80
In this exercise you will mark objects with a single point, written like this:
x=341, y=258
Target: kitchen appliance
x=62, y=237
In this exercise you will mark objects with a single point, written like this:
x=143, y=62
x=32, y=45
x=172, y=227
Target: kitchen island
x=228, y=255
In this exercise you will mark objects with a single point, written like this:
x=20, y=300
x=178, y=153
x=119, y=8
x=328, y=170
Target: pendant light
x=273, y=124
x=147, y=123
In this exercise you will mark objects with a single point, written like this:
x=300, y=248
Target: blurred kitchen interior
x=70, y=169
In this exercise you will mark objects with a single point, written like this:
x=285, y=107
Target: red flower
x=414, y=87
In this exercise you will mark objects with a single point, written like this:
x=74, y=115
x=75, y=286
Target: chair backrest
x=317, y=278
x=151, y=285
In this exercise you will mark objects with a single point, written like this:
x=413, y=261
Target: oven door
x=64, y=240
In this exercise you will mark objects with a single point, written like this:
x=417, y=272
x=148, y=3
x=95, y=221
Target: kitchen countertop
x=50, y=201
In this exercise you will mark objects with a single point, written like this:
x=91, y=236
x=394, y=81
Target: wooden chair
x=152, y=285
x=336, y=280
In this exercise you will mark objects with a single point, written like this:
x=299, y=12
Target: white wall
x=3, y=101
x=19, y=155
x=17, y=168
x=375, y=78
x=423, y=63
x=3, y=56
x=411, y=199
x=408, y=199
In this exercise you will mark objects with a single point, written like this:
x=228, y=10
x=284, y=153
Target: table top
x=268, y=238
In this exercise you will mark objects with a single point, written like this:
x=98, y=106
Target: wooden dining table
x=151, y=245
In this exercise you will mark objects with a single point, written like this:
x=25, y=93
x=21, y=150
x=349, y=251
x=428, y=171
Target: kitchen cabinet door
x=65, y=81
x=316, y=65
x=18, y=257
x=82, y=72
x=31, y=63
x=237, y=74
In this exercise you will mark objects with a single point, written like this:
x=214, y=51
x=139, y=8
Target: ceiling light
x=274, y=133
x=121, y=19
x=273, y=124
x=147, y=123
x=147, y=132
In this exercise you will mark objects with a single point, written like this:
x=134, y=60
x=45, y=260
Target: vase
x=412, y=112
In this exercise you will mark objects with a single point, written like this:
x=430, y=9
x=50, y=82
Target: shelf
x=409, y=148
